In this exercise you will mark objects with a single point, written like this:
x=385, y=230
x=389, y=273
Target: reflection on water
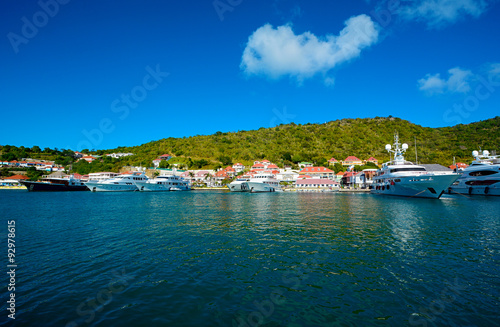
x=217, y=258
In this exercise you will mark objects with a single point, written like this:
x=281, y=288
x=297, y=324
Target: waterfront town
x=355, y=173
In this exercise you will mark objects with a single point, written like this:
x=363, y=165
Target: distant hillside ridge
x=316, y=143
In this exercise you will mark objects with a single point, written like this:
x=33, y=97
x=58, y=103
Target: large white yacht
x=481, y=177
x=164, y=183
x=122, y=183
x=238, y=185
x=262, y=182
x=404, y=178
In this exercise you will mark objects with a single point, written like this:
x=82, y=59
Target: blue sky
x=101, y=74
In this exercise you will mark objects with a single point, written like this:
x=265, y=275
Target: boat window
x=482, y=173
x=407, y=169
x=487, y=182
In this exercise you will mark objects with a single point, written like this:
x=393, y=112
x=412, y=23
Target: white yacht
x=404, y=178
x=481, y=177
x=262, y=182
x=238, y=185
x=164, y=183
x=122, y=183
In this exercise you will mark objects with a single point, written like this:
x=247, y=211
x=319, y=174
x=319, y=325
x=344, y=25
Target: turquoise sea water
x=229, y=259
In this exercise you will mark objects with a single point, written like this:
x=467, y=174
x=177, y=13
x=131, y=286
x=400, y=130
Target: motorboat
x=263, y=182
x=61, y=183
x=164, y=183
x=238, y=185
x=125, y=182
x=482, y=177
x=404, y=178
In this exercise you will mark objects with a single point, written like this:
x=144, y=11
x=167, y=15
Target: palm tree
x=208, y=176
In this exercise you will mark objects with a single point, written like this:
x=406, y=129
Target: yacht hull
x=254, y=187
x=177, y=188
x=239, y=187
x=424, y=186
x=52, y=187
x=475, y=190
x=148, y=187
x=153, y=186
x=101, y=187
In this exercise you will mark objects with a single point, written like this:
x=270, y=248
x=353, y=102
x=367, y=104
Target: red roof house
x=352, y=160
x=17, y=177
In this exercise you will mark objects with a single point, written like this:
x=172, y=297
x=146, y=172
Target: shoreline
x=209, y=189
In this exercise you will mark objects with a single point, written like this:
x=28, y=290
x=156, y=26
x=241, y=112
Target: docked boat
x=238, y=185
x=403, y=178
x=125, y=182
x=50, y=183
x=262, y=183
x=482, y=177
x=164, y=183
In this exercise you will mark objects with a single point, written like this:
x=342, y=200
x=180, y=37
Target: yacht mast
x=416, y=157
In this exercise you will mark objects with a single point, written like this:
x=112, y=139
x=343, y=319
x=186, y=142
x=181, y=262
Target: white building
x=316, y=184
x=287, y=175
x=119, y=155
x=238, y=167
x=156, y=162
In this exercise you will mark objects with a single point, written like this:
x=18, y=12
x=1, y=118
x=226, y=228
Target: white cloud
x=494, y=70
x=277, y=52
x=432, y=84
x=441, y=12
x=457, y=82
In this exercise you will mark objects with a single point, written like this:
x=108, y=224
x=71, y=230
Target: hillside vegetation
x=317, y=143
x=293, y=143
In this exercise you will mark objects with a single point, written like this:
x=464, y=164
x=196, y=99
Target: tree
x=337, y=167
x=36, y=149
x=5, y=172
x=297, y=158
x=33, y=174
x=164, y=164
x=225, y=160
x=208, y=178
x=8, y=156
x=286, y=156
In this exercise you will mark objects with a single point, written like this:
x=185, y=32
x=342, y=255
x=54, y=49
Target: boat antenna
x=416, y=157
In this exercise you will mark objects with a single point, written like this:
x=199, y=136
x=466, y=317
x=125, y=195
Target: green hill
x=292, y=143
x=319, y=142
